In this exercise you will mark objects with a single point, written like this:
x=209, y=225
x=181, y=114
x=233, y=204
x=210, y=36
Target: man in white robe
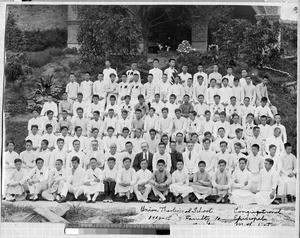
x=142, y=187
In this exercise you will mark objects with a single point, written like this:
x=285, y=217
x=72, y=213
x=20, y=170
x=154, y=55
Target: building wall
x=40, y=17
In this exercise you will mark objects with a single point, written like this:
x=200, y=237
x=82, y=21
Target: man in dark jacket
x=145, y=154
x=175, y=156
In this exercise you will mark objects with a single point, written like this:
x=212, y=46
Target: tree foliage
x=254, y=44
x=107, y=30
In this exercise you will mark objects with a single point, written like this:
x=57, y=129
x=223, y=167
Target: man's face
x=213, y=83
x=87, y=77
x=49, y=98
x=144, y=165
x=235, y=119
x=152, y=134
x=111, y=113
x=254, y=150
x=161, y=149
x=155, y=63
x=34, y=130
x=138, y=114
x=141, y=101
x=263, y=121
x=28, y=146
x=178, y=114
x=236, y=83
x=165, y=114
x=75, y=164
x=124, y=115
x=184, y=69
x=237, y=149
x=256, y=132
x=18, y=165
x=215, y=68
x=186, y=99
x=229, y=71
x=64, y=115
x=151, y=112
x=126, y=164
x=201, y=99
x=60, y=144
x=179, y=137
x=161, y=167
x=95, y=133
x=144, y=147
x=277, y=132
x=80, y=113
x=221, y=133
x=222, y=117
x=49, y=130
x=135, y=78
x=165, y=139
x=100, y=77
x=265, y=81
x=138, y=133
x=192, y=116
x=76, y=145
x=94, y=145
x=277, y=119
x=128, y=148
x=233, y=101
x=248, y=80
x=190, y=146
x=242, y=164
x=164, y=78
x=110, y=132
x=225, y=83
x=79, y=97
x=246, y=101
x=179, y=165
x=273, y=150
x=113, y=78
x=172, y=63
x=79, y=132
x=107, y=63
x=194, y=138
x=150, y=78
x=43, y=145
x=173, y=147
x=125, y=133
x=217, y=100
x=244, y=73
x=202, y=167
x=289, y=149
x=268, y=165
x=172, y=99
x=35, y=114
x=223, y=147
x=124, y=78
x=157, y=97
x=50, y=115
x=65, y=96
x=189, y=82
x=239, y=134
x=93, y=163
x=40, y=164
x=176, y=79
x=133, y=66
x=200, y=68
x=113, y=148
x=200, y=80
x=72, y=77
x=206, y=145
x=207, y=116
x=111, y=164
x=58, y=165
x=95, y=100
x=222, y=167
x=64, y=131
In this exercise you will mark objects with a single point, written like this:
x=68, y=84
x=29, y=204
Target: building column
x=199, y=34
x=73, y=27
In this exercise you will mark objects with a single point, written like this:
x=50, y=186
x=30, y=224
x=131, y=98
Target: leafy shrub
x=13, y=71
x=38, y=59
x=16, y=131
x=54, y=51
x=37, y=40
x=71, y=51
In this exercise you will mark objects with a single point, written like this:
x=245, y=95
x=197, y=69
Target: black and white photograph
x=150, y=114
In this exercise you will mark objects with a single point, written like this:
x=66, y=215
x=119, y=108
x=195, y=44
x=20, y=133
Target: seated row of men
x=127, y=172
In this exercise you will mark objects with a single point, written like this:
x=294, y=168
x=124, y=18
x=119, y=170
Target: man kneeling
x=93, y=181
x=180, y=183
x=75, y=178
x=57, y=179
x=142, y=187
x=37, y=179
x=160, y=181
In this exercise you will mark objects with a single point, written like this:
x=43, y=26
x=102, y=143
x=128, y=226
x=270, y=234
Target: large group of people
x=178, y=134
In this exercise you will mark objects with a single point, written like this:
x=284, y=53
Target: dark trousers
x=109, y=188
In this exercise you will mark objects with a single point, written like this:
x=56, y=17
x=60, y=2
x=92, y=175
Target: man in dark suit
x=145, y=154
x=175, y=156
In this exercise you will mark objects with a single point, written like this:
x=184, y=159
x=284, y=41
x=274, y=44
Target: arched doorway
x=169, y=29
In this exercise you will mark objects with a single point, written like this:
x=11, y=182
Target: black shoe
x=62, y=200
x=275, y=202
x=164, y=201
x=204, y=201
x=177, y=200
x=180, y=199
x=89, y=201
x=126, y=200
x=197, y=201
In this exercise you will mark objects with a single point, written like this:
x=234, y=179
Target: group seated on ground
x=201, y=138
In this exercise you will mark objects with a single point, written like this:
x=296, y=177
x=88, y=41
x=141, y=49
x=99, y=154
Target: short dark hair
x=111, y=159
x=126, y=158
x=201, y=162
x=221, y=161
x=75, y=158
x=38, y=159
x=161, y=161
x=270, y=161
x=287, y=144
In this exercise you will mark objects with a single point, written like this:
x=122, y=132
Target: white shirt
x=201, y=108
x=165, y=125
x=35, y=121
x=238, y=92
x=210, y=93
x=73, y=153
x=40, y=174
x=215, y=75
x=99, y=89
x=265, y=131
x=157, y=74
x=142, y=176
x=283, y=131
x=163, y=89
x=110, y=173
x=225, y=94
x=230, y=79
x=36, y=140
x=170, y=73
x=77, y=178
x=49, y=106
x=268, y=180
x=166, y=157
x=106, y=73
x=272, y=140
x=86, y=88
x=151, y=122
x=199, y=90
x=204, y=75
x=51, y=138
x=177, y=90
x=72, y=89
x=149, y=91
x=58, y=154
x=130, y=74
x=185, y=77
x=266, y=111
x=124, y=89
x=45, y=155
x=191, y=159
